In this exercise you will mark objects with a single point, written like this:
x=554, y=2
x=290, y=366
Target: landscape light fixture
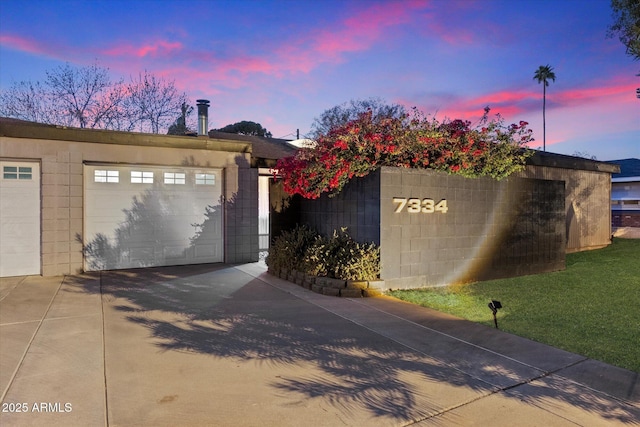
x=494, y=306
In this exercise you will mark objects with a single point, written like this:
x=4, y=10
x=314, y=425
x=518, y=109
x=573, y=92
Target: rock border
x=329, y=286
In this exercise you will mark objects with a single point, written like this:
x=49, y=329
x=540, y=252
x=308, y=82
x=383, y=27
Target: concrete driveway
x=220, y=345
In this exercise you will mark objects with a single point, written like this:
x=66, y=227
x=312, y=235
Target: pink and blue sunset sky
x=282, y=63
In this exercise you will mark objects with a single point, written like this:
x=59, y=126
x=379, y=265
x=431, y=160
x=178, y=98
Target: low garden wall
x=332, y=287
x=436, y=229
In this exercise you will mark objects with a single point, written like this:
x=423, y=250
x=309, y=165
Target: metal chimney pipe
x=203, y=116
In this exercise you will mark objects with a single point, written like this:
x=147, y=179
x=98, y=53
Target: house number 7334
x=420, y=205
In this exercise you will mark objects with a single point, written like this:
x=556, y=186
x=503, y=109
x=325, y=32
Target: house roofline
x=626, y=179
x=14, y=128
x=553, y=160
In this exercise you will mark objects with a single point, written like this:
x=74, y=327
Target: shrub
x=315, y=261
x=364, y=144
x=338, y=256
x=289, y=248
x=341, y=257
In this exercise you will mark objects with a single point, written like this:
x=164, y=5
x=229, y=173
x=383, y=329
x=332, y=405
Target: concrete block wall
x=241, y=215
x=489, y=229
x=587, y=204
x=62, y=154
x=62, y=200
x=356, y=207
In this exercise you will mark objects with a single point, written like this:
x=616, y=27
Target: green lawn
x=592, y=308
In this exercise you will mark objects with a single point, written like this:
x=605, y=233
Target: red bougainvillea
x=363, y=145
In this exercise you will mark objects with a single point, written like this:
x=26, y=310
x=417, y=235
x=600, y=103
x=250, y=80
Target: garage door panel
x=140, y=255
x=16, y=204
x=175, y=253
x=151, y=224
x=19, y=218
x=204, y=251
x=20, y=231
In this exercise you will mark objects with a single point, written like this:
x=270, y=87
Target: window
x=17, y=172
x=174, y=178
x=24, y=173
x=106, y=176
x=205, y=179
x=139, y=177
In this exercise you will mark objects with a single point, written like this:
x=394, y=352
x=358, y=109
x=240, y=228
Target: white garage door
x=19, y=218
x=151, y=216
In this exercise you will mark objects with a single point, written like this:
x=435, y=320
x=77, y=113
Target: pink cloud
x=506, y=103
x=458, y=24
x=157, y=48
x=22, y=44
x=359, y=31
x=247, y=64
x=503, y=97
x=457, y=37
x=579, y=96
x=514, y=103
x=584, y=114
x=355, y=33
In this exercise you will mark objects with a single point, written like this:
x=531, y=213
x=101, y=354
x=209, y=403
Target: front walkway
x=220, y=345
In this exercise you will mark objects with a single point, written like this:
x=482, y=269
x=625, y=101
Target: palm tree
x=542, y=74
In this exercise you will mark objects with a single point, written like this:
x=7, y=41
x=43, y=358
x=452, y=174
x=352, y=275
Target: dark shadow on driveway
x=229, y=314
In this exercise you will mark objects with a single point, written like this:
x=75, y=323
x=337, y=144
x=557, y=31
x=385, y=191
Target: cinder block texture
x=456, y=230
x=587, y=204
x=241, y=215
x=437, y=229
x=64, y=153
x=356, y=207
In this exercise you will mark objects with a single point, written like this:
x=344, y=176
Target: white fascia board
x=626, y=179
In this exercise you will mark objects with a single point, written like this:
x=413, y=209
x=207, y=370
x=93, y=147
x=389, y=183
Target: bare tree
x=584, y=155
x=341, y=114
x=154, y=102
x=26, y=101
x=82, y=96
x=86, y=97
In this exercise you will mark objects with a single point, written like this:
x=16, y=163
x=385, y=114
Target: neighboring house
x=75, y=200
x=625, y=194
